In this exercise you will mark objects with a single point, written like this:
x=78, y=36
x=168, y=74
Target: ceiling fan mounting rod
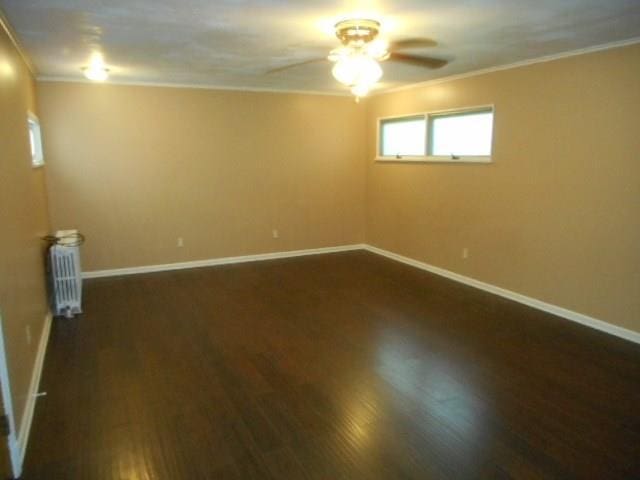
x=357, y=31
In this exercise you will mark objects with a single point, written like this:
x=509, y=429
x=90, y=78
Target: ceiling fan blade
x=427, y=62
x=412, y=43
x=296, y=65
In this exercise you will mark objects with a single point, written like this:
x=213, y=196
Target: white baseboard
x=219, y=261
x=30, y=404
x=517, y=297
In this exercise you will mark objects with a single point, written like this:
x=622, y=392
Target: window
x=464, y=135
x=35, y=141
x=403, y=137
x=461, y=134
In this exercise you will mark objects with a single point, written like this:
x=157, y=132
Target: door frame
x=7, y=403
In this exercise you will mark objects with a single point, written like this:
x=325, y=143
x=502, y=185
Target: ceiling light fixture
x=357, y=60
x=99, y=74
x=357, y=69
x=96, y=70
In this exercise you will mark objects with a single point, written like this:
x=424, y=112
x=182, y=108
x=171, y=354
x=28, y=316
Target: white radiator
x=66, y=278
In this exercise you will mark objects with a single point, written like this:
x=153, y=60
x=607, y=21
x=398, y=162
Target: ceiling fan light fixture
x=358, y=69
x=357, y=30
x=96, y=74
x=338, y=53
x=378, y=49
x=361, y=90
x=357, y=60
x=96, y=70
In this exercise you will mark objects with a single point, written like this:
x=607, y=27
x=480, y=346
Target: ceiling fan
x=356, y=61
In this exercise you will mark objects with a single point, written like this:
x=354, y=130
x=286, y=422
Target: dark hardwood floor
x=345, y=366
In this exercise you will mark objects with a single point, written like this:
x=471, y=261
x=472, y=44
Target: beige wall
x=556, y=216
x=134, y=168
x=23, y=220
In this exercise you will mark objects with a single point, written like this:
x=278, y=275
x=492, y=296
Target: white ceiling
x=234, y=43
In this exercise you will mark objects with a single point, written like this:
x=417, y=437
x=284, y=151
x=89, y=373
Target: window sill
x=434, y=159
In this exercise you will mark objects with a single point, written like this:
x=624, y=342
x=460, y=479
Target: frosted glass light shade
x=97, y=74
x=361, y=90
x=357, y=70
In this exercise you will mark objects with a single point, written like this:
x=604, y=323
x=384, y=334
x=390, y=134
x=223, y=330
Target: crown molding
x=509, y=66
x=6, y=26
x=13, y=36
x=133, y=83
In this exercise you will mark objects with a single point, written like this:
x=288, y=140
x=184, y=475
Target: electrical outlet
x=180, y=242
x=28, y=332
x=275, y=233
x=465, y=253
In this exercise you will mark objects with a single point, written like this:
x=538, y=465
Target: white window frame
x=426, y=158
x=399, y=158
x=33, y=124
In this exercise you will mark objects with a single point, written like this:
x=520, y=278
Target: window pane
x=32, y=140
x=404, y=137
x=35, y=141
x=460, y=134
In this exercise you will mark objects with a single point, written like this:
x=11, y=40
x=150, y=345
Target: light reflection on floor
x=444, y=404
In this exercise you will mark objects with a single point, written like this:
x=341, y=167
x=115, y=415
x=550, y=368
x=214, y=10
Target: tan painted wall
x=554, y=217
x=23, y=220
x=557, y=215
x=134, y=168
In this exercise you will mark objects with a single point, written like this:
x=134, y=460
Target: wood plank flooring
x=343, y=366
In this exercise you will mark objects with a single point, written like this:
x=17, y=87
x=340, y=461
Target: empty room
x=319, y=240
